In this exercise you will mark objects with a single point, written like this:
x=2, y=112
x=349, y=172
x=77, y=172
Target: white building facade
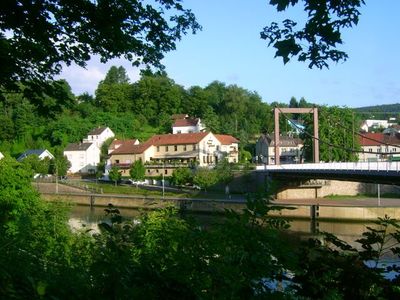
x=84, y=157
x=99, y=135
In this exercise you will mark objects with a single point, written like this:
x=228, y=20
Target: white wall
x=83, y=161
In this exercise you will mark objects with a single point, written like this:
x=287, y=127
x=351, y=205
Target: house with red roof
x=163, y=153
x=379, y=146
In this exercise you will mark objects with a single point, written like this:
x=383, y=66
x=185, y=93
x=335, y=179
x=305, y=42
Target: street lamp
x=163, y=187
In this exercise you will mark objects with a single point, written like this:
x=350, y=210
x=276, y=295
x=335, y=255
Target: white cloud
x=86, y=79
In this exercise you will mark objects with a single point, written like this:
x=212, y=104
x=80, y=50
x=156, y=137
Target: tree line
x=51, y=119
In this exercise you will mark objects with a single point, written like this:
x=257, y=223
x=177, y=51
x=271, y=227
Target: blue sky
x=229, y=49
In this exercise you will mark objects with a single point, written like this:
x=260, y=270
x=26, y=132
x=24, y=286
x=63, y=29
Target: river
x=345, y=230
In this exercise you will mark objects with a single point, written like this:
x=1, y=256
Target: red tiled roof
x=175, y=139
x=185, y=122
x=376, y=139
x=129, y=147
x=115, y=144
x=226, y=139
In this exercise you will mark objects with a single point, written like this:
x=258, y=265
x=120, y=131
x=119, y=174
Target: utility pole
x=56, y=162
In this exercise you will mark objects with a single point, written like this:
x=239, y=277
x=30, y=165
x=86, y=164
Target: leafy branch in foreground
x=317, y=41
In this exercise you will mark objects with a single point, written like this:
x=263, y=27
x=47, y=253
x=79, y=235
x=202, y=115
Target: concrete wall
x=208, y=206
x=340, y=213
x=336, y=187
x=196, y=205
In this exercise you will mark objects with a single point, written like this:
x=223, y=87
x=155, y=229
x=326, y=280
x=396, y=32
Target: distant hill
x=384, y=108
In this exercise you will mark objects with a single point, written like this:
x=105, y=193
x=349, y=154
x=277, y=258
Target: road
x=351, y=202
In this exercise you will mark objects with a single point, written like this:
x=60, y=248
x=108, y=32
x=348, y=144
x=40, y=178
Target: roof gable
x=97, y=131
x=78, y=146
x=377, y=139
x=226, y=139
x=37, y=152
x=185, y=122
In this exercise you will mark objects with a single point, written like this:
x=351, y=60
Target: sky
x=229, y=49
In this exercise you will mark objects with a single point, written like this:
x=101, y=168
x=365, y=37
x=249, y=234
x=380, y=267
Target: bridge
x=386, y=172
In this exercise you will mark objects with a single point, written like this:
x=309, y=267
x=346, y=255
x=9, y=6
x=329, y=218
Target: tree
x=224, y=173
x=182, y=176
x=115, y=174
x=59, y=165
x=316, y=43
x=36, y=38
x=205, y=178
x=114, y=92
x=337, y=142
x=137, y=171
x=37, y=165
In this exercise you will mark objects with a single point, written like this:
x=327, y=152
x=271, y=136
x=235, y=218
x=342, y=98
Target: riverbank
x=352, y=209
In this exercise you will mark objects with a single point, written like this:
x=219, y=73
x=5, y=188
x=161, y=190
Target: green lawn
x=109, y=188
x=361, y=196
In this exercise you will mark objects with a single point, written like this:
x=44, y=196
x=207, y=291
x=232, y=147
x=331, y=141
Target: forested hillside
x=56, y=117
x=383, y=111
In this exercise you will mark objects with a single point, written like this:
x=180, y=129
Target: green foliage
x=137, y=170
x=205, y=178
x=39, y=44
x=162, y=255
x=337, y=140
x=59, y=165
x=115, y=174
x=245, y=156
x=182, y=176
x=318, y=40
x=333, y=269
x=224, y=171
x=37, y=165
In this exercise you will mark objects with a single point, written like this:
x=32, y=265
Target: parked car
x=131, y=181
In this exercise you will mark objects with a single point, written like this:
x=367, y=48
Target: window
x=157, y=171
x=176, y=148
x=179, y=131
x=158, y=148
x=117, y=161
x=204, y=159
x=148, y=171
x=394, y=150
x=184, y=147
x=166, y=148
x=165, y=172
x=194, y=147
x=217, y=148
x=370, y=149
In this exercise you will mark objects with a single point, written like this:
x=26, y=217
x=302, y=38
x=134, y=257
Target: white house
x=1, y=155
x=99, y=135
x=229, y=147
x=163, y=153
x=41, y=153
x=84, y=157
x=290, y=149
x=379, y=147
x=186, y=124
x=376, y=124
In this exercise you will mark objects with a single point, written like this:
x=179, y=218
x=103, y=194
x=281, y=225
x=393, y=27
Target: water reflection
x=346, y=231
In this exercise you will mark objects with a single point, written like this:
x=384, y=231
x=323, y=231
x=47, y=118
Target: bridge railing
x=355, y=166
